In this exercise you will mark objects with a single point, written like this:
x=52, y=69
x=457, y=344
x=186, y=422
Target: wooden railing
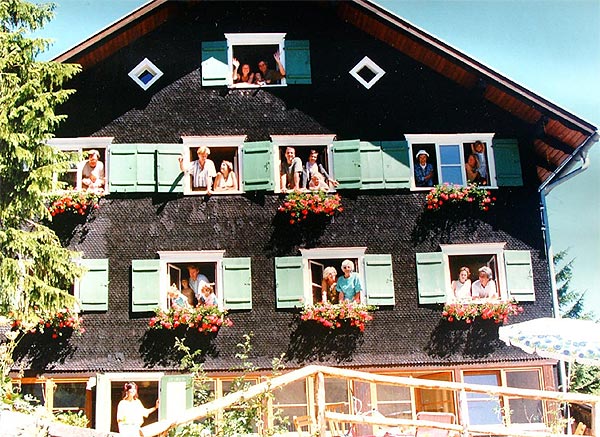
x=322, y=416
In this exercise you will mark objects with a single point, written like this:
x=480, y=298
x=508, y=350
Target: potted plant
x=302, y=205
x=445, y=195
x=486, y=310
x=203, y=319
x=333, y=316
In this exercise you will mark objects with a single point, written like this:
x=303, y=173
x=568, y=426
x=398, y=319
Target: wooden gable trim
x=112, y=38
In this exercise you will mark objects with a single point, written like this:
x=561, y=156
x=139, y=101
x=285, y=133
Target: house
x=366, y=90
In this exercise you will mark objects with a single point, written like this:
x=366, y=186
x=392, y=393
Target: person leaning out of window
x=461, y=288
x=484, y=287
x=202, y=170
x=348, y=286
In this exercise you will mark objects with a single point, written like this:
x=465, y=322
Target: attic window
x=367, y=72
x=145, y=74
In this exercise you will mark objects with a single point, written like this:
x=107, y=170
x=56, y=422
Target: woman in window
x=348, y=286
x=472, y=170
x=461, y=288
x=131, y=412
x=484, y=287
x=226, y=179
x=246, y=76
x=328, y=285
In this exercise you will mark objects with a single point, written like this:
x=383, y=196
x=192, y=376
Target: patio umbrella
x=569, y=340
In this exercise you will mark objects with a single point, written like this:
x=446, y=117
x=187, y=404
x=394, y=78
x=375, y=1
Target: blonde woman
x=461, y=288
x=226, y=179
x=328, y=283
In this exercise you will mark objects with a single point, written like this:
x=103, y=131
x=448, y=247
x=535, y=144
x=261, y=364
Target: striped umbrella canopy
x=570, y=340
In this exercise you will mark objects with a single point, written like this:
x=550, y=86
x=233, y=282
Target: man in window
x=92, y=174
x=195, y=279
x=290, y=170
x=202, y=170
x=312, y=167
x=271, y=76
x=423, y=170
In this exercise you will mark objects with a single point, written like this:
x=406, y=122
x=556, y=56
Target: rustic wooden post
x=463, y=412
x=320, y=396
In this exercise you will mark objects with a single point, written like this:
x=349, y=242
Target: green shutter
x=346, y=163
x=431, y=282
x=297, y=62
x=176, y=394
x=371, y=165
x=379, y=280
x=215, y=67
x=123, y=168
x=93, y=286
x=258, y=166
x=146, y=168
x=169, y=176
x=396, y=164
x=237, y=284
x=508, y=164
x=289, y=282
x=145, y=285
x=103, y=405
x=519, y=275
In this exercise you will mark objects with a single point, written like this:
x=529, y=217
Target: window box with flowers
x=446, y=195
x=485, y=310
x=63, y=323
x=72, y=203
x=300, y=206
x=202, y=319
x=334, y=316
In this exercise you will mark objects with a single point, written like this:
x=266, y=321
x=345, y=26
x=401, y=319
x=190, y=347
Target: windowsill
x=213, y=193
x=255, y=86
x=487, y=187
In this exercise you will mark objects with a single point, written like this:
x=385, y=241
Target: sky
x=552, y=47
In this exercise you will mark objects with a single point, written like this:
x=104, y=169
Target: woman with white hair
x=348, y=286
x=484, y=287
x=202, y=170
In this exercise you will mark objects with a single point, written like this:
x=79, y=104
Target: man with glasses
x=271, y=77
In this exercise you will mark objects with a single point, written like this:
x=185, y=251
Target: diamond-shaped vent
x=367, y=72
x=145, y=74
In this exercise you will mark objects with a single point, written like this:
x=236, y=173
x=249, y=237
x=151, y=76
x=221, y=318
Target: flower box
x=72, y=202
x=203, y=319
x=58, y=324
x=486, y=310
x=334, y=316
x=447, y=194
x=301, y=205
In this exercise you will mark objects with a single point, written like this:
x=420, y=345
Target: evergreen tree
x=36, y=272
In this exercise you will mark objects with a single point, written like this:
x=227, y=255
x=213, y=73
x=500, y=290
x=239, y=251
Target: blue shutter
x=145, y=285
x=215, y=67
x=176, y=394
x=519, y=275
x=396, y=164
x=297, y=62
x=93, y=286
x=371, y=165
x=169, y=176
x=237, y=284
x=508, y=163
x=379, y=280
x=431, y=282
x=258, y=166
x=346, y=163
x=123, y=168
x=289, y=282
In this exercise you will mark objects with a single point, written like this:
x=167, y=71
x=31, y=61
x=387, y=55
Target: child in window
x=317, y=182
x=178, y=300
x=188, y=292
x=208, y=298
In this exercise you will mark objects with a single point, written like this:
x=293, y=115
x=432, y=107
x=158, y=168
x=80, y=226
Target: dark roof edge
x=444, y=47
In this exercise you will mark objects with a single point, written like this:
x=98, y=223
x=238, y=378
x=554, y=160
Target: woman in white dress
x=461, y=288
x=226, y=179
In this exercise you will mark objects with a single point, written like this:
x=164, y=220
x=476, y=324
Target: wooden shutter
x=289, y=282
x=123, y=168
x=371, y=165
x=145, y=285
x=379, y=280
x=258, y=166
x=169, y=176
x=237, y=284
x=346, y=163
x=176, y=394
x=431, y=282
x=508, y=163
x=297, y=62
x=396, y=164
x=93, y=286
x=215, y=67
x=146, y=168
x=519, y=275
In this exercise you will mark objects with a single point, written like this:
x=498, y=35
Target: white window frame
x=212, y=142
x=145, y=65
x=304, y=141
x=496, y=249
x=254, y=39
x=450, y=139
x=77, y=145
x=357, y=253
x=190, y=257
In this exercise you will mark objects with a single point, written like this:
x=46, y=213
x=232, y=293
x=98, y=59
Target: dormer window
x=252, y=60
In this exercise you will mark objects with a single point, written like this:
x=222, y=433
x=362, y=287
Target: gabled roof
x=559, y=133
